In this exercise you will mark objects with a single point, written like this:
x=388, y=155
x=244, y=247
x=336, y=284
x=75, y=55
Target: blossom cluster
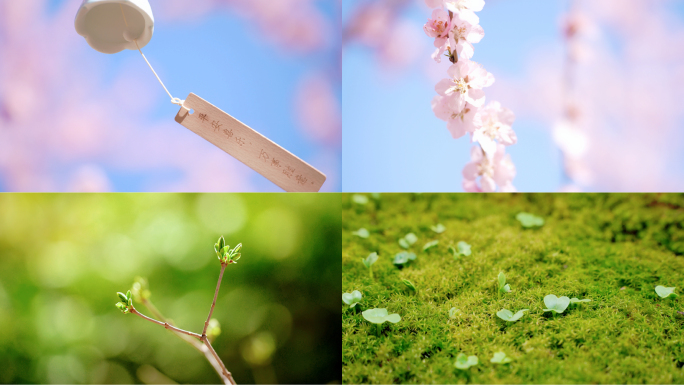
x=461, y=99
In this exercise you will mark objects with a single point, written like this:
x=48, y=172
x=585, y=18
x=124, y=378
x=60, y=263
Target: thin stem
x=223, y=367
x=165, y=324
x=218, y=285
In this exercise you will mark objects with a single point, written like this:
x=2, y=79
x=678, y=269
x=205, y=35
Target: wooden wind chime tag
x=248, y=146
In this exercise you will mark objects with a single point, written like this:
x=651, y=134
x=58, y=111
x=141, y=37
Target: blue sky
x=228, y=62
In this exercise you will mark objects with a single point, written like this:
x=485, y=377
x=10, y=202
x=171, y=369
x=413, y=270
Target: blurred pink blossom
x=493, y=124
x=492, y=172
x=318, y=110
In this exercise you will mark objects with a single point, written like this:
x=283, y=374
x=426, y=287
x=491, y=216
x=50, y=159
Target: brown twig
x=165, y=324
x=213, y=303
x=213, y=352
x=198, y=345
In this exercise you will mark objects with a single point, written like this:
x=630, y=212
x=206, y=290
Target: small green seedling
x=360, y=199
x=408, y=240
x=503, y=286
x=438, y=228
x=453, y=313
x=508, y=315
x=352, y=299
x=556, y=304
x=363, y=233
x=665, y=292
x=462, y=248
x=379, y=316
x=225, y=254
x=403, y=258
x=500, y=358
x=576, y=300
x=528, y=220
x=410, y=285
x=369, y=261
x=463, y=362
x=430, y=245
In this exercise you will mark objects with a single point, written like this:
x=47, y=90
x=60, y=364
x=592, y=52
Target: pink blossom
x=498, y=170
x=493, y=123
x=466, y=83
x=458, y=121
x=438, y=26
x=462, y=36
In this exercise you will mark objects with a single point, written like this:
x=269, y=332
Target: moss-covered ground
x=611, y=248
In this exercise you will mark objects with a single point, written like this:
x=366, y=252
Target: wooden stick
x=249, y=147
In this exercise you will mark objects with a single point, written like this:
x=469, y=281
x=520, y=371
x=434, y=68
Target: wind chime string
x=177, y=101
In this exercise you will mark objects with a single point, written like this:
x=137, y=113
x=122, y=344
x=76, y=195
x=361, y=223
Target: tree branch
x=213, y=352
x=218, y=285
x=165, y=324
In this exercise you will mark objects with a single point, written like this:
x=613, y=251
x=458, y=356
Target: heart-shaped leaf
x=500, y=358
x=438, y=228
x=363, y=233
x=404, y=243
x=576, y=300
x=352, y=299
x=430, y=245
x=360, y=199
x=411, y=238
x=529, y=220
x=556, y=304
x=462, y=248
x=463, y=362
x=665, y=292
x=370, y=259
x=403, y=257
x=378, y=316
x=508, y=315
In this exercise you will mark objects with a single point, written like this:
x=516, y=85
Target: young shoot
x=408, y=240
x=508, y=315
x=403, y=258
x=352, y=299
x=453, y=313
x=463, y=362
x=500, y=358
x=664, y=292
x=461, y=248
x=528, y=220
x=369, y=261
x=380, y=316
x=430, y=245
x=503, y=286
x=363, y=233
x=409, y=285
x=555, y=304
x=438, y=228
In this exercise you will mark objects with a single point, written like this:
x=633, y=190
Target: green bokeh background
x=63, y=257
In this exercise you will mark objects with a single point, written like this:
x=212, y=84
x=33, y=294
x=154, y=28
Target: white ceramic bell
x=110, y=26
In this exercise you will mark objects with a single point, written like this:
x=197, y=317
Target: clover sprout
x=430, y=245
x=503, y=286
x=556, y=304
x=369, y=261
x=438, y=228
x=463, y=362
x=352, y=299
x=575, y=300
x=360, y=199
x=408, y=240
x=363, y=233
x=500, y=358
x=403, y=258
x=410, y=285
x=453, y=313
x=665, y=292
x=462, y=248
x=379, y=316
x=508, y=315
x=529, y=220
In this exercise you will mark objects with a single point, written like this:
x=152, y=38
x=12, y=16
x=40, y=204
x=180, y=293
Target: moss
x=611, y=248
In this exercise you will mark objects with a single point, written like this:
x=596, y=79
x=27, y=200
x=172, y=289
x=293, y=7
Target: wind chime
x=110, y=26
